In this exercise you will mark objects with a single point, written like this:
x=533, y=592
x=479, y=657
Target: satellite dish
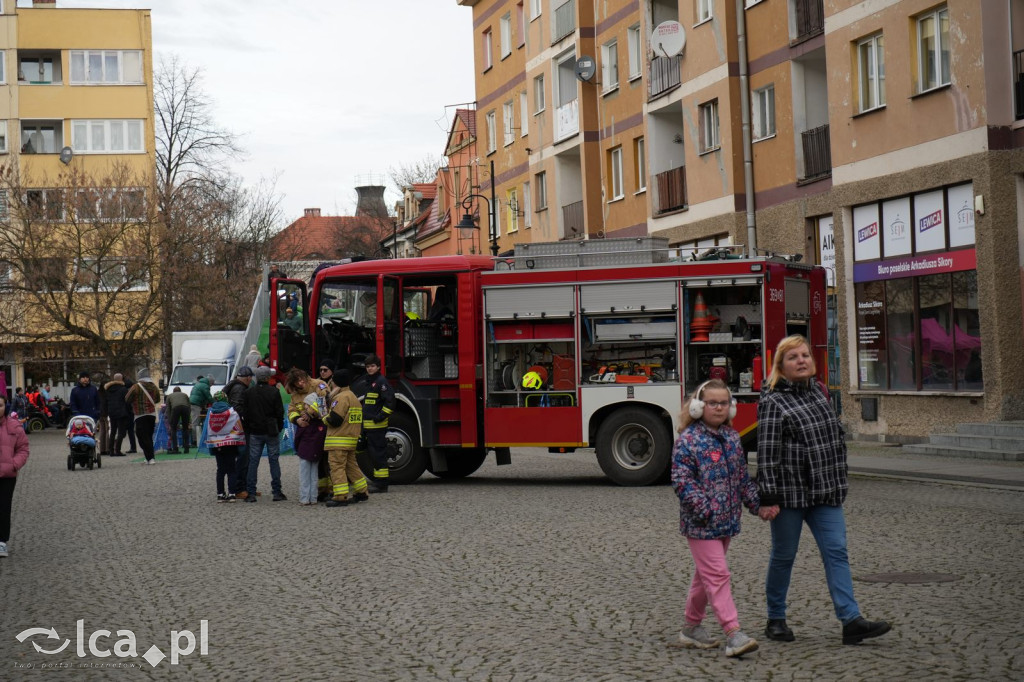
x=586, y=67
x=65, y=155
x=668, y=39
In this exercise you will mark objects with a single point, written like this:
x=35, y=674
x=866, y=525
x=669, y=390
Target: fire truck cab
x=554, y=349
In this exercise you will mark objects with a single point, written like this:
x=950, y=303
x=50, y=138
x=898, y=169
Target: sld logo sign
x=183, y=643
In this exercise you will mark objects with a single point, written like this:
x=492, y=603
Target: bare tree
x=81, y=258
x=408, y=174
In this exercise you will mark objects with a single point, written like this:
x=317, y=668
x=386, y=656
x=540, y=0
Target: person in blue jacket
x=85, y=398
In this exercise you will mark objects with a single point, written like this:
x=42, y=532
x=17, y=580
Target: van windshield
x=186, y=375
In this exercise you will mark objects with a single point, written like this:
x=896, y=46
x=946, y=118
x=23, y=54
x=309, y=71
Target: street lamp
x=467, y=219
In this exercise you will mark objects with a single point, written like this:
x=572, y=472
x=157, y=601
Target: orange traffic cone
x=700, y=325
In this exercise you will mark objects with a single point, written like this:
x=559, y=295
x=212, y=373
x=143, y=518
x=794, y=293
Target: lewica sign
x=182, y=643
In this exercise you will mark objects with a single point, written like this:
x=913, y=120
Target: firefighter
x=343, y=425
x=378, y=403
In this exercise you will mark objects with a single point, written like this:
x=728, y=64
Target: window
x=764, y=112
x=3, y=205
x=709, y=126
x=488, y=49
x=106, y=67
x=634, y=41
x=871, y=72
x=640, y=165
x=512, y=202
x=507, y=116
x=3, y=134
x=610, y=66
x=933, y=49
x=541, y=183
x=521, y=23
x=615, y=174
x=99, y=136
x=3, y=66
x=534, y=9
x=524, y=117
x=48, y=274
x=704, y=10
x=505, y=25
x=102, y=274
x=39, y=68
x=527, y=206
x=492, y=133
x=5, y=275
x=42, y=137
x=538, y=94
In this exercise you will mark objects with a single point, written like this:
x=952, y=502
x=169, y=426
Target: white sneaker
x=696, y=637
x=152, y=461
x=3, y=549
x=737, y=644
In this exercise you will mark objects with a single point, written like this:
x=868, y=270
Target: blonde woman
x=801, y=469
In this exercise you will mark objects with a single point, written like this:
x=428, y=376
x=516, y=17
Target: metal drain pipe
x=748, y=152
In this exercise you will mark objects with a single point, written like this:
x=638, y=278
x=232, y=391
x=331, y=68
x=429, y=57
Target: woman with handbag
x=144, y=397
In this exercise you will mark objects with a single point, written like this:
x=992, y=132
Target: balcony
x=1018, y=85
x=671, y=190
x=810, y=19
x=567, y=122
x=664, y=75
x=572, y=221
x=564, y=22
x=817, y=153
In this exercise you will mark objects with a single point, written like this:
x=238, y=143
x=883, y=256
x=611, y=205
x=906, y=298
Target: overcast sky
x=322, y=91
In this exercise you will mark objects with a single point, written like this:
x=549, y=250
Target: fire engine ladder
x=448, y=417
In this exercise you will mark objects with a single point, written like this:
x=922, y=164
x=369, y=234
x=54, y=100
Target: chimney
x=312, y=212
x=371, y=201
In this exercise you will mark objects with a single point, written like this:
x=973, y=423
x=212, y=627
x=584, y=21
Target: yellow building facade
x=78, y=104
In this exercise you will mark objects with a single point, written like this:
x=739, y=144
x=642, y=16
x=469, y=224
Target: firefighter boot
x=378, y=486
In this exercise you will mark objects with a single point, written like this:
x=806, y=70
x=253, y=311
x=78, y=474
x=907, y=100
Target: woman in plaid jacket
x=801, y=470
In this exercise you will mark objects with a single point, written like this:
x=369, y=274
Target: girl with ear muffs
x=709, y=474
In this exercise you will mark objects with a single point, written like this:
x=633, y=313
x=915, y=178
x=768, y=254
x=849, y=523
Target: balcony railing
x=565, y=21
x=810, y=18
x=664, y=75
x=572, y=219
x=671, y=189
x=817, y=153
x=1018, y=84
x=567, y=121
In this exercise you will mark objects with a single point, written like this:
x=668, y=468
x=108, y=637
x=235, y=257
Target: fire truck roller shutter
x=535, y=302
x=660, y=296
x=634, y=446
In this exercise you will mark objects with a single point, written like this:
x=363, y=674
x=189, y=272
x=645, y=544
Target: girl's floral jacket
x=709, y=474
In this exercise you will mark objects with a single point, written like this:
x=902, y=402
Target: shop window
x=872, y=357
x=899, y=323
x=967, y=331
x=937, y=348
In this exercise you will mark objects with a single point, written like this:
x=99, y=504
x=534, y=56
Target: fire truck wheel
x=407, y=460
x=461, y=463
x=634, y=447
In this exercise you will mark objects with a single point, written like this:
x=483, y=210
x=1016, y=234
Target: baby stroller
x=82, y=443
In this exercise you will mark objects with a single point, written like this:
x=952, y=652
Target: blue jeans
x=828, y=525
x=256, y=443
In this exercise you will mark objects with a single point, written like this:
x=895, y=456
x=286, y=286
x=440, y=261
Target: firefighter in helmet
x=378, y=403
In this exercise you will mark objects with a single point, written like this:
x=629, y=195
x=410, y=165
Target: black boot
x=377, y=487
x=778, y=631
x=860, y=629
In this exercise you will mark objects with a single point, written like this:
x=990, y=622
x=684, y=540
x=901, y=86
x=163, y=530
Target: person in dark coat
x=85, y=399
x=119, y=413
x=263, y=420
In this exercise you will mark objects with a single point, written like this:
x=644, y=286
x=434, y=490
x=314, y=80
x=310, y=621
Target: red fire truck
x=552, y=348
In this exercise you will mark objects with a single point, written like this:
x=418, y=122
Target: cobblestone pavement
x=537, y=571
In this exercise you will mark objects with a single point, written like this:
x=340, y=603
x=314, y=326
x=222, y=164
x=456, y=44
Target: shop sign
x=827, y=249
x=896, y=218
x=916, y=266
x=865, y=230
x=931, y=221
x=961, y=215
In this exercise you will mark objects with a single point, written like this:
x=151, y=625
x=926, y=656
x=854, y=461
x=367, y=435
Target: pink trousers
x=710, y=584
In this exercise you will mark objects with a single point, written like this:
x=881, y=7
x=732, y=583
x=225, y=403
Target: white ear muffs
x=696, y=409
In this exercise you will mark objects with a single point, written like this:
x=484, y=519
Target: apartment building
x=77, y=106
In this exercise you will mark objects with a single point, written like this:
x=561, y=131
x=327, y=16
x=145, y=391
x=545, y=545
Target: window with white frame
x=42, y=137
x=45, y=204
x=709, y=126
x=512, y=204
x=635, y=42
x=615, y=189
x=610, y=66
x=488, y=49
x=107, y=136
x=3, y=205
x=871, y=72
x=534, y=9
x=492, y=132
x=538, y=94
x=527, y=206
x=524, y=115
x=704, y=8
x=508, y=121
x=933, y=49
x=106, y=67
x=764, y=112
x=3, y=65
x=107, y=274
x=540, y=181
x=505, y=25
x=5, y=273
x=3, y=136
x=640, y=163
